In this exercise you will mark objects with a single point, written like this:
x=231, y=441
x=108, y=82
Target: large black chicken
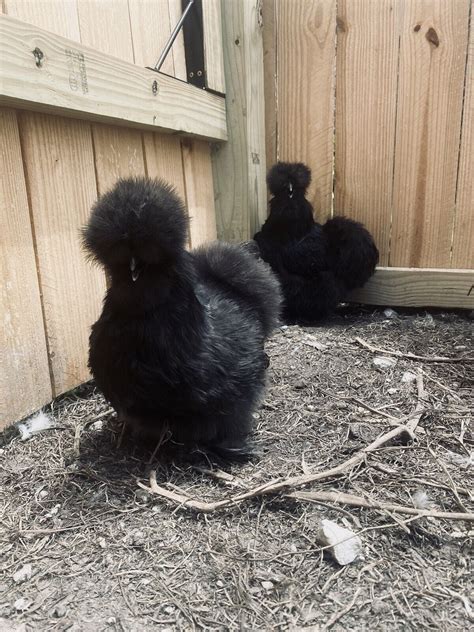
x=179, y=344
x=318, y=265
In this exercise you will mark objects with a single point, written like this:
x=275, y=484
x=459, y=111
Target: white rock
x=267, y=585
x=408, y=377
x=23, y=574
x=345, y=545
x=390, y=313
x=384, y=362
x=22, y=604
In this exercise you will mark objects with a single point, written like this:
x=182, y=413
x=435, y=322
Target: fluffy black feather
x=182, y=344
x=317, y=265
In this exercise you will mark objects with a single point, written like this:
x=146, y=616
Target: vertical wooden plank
x=57, y=16
x=306, y=41
x=179, y=58
x=270, y=79
x=366, y=101
x=59, y=167
x=431, y=79
x=150, y=24
x=199, y=191
x=118, y=154
x=213, y=55
x=463, y=237
x=24, y=372
x=239, y=164
x=105, y=26
x=163, y=159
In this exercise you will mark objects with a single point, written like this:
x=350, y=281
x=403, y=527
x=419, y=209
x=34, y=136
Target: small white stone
x=408, y=377
x=384, y=362
x=23, y=574
x=390, y=313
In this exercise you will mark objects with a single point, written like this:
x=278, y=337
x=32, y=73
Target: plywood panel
x=118, y=153
x=463, y=238
x=59, y=166
x=366, y=97
x=57, y=16
x=433, y=47
x=213, y=57
x=150, y=24
x=239, y=165
x=105, y=26
x=306, y=67
x=412, y=287
x=163, y=159
x=199, y=191
x=24, y=373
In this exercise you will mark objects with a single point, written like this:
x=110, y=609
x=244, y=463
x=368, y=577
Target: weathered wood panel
x=414, y=287
x=118, y=153
x=105, y=26
x=239, y=165
x=366, y=101
x=433, y=43
x=59, y=167
x=57, y=16
x=199, y=192
x=213, y=60
x=306, y=44
x=164, y=160
x=24, y=372
x=270, y=80
x=463, y=237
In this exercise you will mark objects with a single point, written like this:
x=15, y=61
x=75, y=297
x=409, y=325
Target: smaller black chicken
x=318, y=265
x=179, y=344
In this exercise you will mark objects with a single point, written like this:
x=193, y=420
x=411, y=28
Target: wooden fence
x=377, y=96
x=53, y=167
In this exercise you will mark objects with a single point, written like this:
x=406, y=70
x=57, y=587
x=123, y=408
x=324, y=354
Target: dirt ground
x=84, y=547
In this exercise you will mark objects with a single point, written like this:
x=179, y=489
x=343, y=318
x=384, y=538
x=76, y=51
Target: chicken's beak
x=133, y=269
x=290, y=189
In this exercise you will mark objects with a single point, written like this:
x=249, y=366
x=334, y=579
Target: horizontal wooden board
x=418, y=287
x=49, y=73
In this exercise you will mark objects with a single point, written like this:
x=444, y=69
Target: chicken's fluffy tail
x=352, y=251
x=251, y=279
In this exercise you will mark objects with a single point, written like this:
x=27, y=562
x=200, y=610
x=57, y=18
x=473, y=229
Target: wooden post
x=239, y=165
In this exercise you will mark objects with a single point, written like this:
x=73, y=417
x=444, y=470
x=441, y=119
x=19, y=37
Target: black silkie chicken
x=318, y=265
x=179, y=344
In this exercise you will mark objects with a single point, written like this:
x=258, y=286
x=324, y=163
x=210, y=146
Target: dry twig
x=412, y=356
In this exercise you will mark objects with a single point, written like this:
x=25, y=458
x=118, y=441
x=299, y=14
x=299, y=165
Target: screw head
x=154, y=88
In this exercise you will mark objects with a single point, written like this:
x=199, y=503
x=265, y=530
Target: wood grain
x=105, y=26
x=433, y=45
x=150, y=24
x=463, y=237
x=78, y=81
x=270, y=79
x=24, y=372
x=239, y=165
x=199, y=192
x=164, y=160
x=412, y=287
x=366, y=100
x=306, y=49
x=213, y=56
x=59, y=167
x=57, y=16
x=118, y=153
x=179, y=57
